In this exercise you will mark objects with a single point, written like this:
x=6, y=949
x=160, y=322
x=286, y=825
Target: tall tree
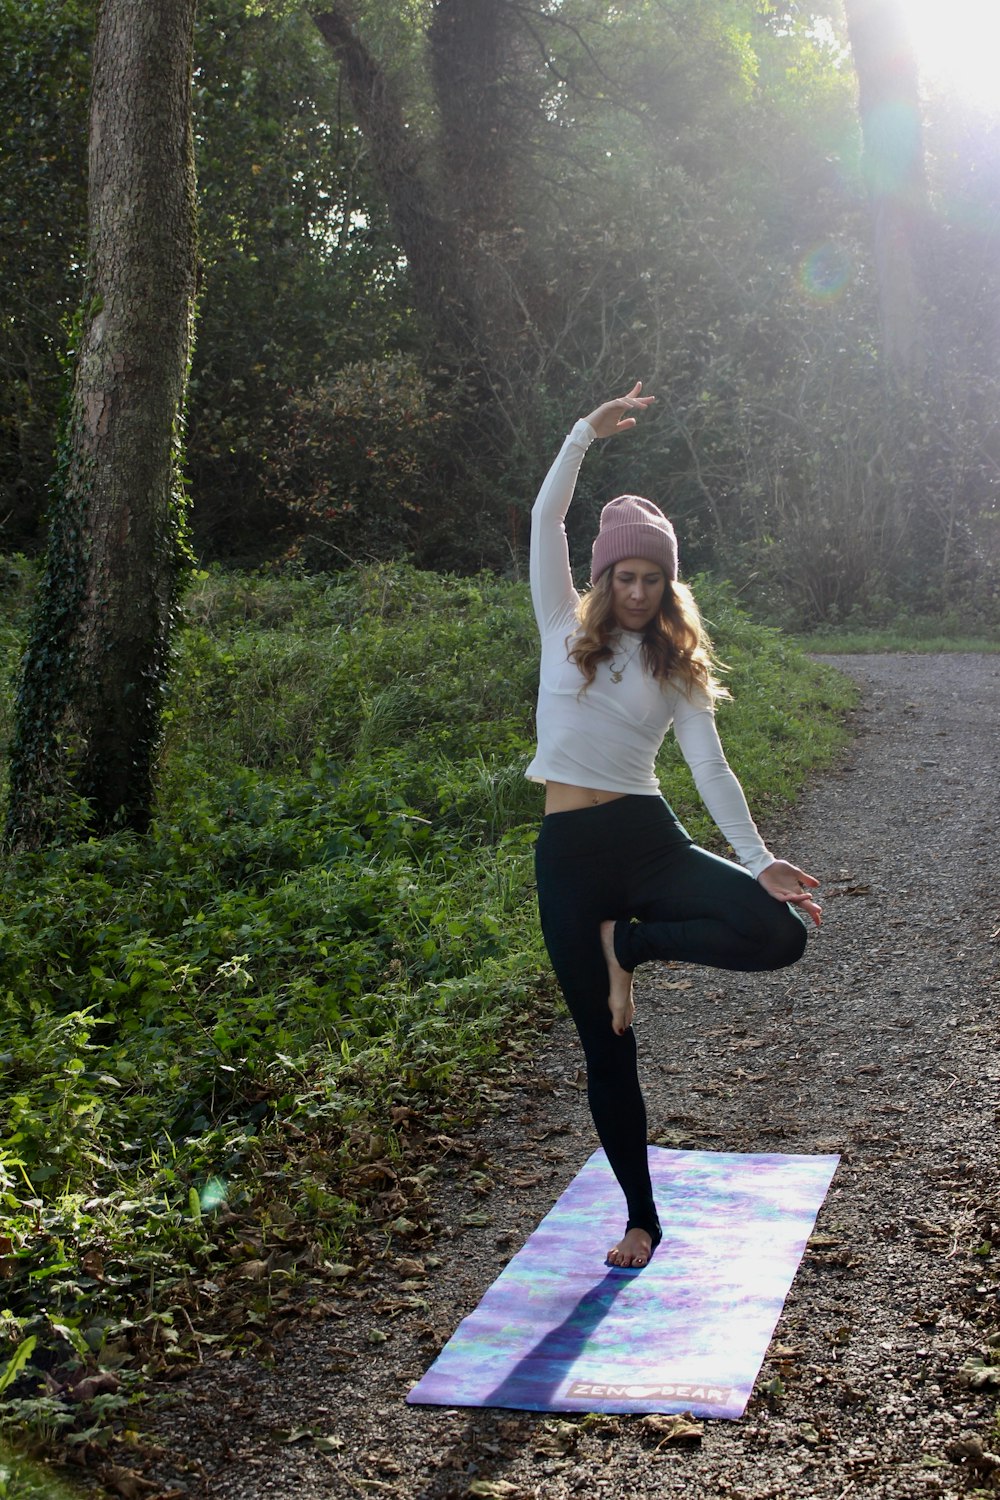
x=449, y=194
x=88, y=709
x=889, y=102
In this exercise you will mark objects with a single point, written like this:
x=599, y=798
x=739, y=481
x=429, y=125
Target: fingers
x=616, y=416
x=785, y=882
x=805, y=903
x=635, y=401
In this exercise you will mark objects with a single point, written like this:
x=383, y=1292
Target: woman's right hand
x=617, y=416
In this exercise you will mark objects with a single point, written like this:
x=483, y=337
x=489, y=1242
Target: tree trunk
x=449, y=199
x=472, y=60
x=89, y=704
x=889, y=102
x=426, y=235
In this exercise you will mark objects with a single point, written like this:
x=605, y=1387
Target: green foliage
x=216, y=1038
x=360, y=464
x=299, y=268
x=44, y=46
x=23, y=1479
x=660, y=190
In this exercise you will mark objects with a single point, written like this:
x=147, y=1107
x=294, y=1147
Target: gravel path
x=879, y=1045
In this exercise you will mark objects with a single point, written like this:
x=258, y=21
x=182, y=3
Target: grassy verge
x=236, y=1048
x=914, y=637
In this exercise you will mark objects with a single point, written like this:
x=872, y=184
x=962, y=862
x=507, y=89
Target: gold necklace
x=617, y=673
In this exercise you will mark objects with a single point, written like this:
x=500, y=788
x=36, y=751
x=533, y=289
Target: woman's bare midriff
x=561, y=797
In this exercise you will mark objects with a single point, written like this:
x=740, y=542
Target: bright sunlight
x=958, y=46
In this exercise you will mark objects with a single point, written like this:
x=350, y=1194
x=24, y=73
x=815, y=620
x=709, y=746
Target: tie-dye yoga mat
x=559, y=1331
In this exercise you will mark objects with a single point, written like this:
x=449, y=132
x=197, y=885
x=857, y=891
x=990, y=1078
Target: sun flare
x=957, y=43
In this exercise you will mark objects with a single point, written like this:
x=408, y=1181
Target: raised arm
x=552, y=593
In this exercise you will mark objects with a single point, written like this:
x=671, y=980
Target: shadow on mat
x=538, y=1375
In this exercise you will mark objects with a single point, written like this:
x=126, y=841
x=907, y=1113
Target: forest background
x=241, y=1037
x=430, y=232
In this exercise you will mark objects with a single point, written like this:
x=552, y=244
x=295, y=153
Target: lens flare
x=825, y=272
x=212, y=1194
x=956, y=46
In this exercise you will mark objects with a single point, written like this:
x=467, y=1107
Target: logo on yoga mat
x=709, y=1395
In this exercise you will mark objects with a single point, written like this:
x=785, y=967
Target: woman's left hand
x=619, y=415
x=787, y=882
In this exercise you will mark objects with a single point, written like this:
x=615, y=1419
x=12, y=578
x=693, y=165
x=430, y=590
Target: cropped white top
x=608, y=737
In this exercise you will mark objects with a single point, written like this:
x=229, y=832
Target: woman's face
x=637, y=591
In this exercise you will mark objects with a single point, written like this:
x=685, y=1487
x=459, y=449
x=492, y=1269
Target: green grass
x=231, y=1047
x=20, y=1479
x=913, y=637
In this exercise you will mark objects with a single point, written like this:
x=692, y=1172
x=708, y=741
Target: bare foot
x=632, y=1251
x=620, y=1001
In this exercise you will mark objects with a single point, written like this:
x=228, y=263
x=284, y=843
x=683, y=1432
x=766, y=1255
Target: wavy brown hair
x=675, y=644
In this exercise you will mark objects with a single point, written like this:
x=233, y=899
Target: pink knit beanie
x=633, y=527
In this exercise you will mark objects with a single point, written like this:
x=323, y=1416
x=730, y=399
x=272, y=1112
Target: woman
x=619, y=880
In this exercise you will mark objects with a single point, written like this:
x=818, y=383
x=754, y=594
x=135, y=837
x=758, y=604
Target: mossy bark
x=89, y=702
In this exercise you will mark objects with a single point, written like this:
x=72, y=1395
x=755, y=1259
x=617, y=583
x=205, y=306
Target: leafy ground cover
x=237, y=1048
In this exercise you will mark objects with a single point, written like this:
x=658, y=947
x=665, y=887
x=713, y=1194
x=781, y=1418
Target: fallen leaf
x=402, y=1226
x=675, y=1428
x=253, y=1270
x=103, y=1383
x=969, y=1448
x=556, y=1439
x=331, y=1444
x=128, y=1483
x=979, y=1375
x=773, y=1390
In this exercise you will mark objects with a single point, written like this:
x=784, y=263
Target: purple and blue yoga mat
x=559, y=1331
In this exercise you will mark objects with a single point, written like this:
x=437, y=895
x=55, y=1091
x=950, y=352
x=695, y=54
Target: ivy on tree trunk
x=89, y=699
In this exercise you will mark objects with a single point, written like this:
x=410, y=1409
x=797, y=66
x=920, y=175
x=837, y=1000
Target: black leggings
x=631, y=860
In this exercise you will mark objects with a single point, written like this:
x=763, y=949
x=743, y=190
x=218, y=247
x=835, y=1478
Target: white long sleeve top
x=608, y=737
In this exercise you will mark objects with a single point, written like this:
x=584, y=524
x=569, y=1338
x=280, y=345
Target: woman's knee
x=788, y=941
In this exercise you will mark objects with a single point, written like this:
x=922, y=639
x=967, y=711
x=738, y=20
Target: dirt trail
x=881, y=1045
